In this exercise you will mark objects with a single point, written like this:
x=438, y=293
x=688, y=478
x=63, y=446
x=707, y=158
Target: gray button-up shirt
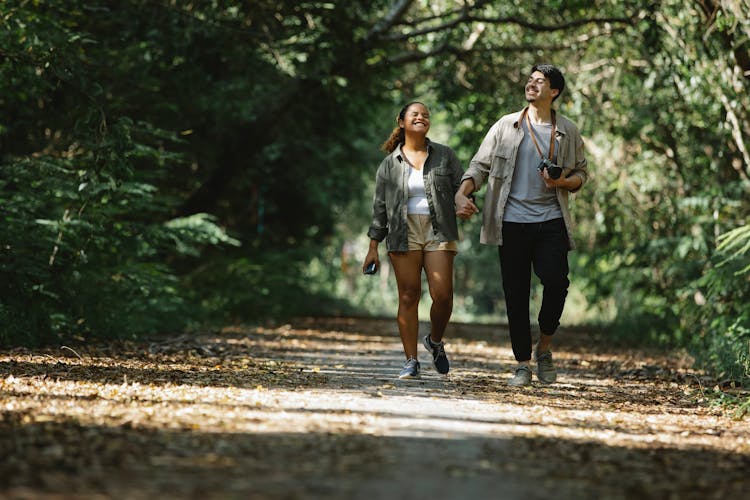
x=495, y=162
x=442, y=175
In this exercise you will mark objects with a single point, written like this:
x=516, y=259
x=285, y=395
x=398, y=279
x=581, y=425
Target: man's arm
x=572, y=183
x=479, y=166
x=476, y=174
x=579, y=174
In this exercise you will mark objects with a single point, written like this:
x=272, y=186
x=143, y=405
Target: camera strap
x=533, y=135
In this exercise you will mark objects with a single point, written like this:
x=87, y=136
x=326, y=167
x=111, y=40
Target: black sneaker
x=410, y=370
x=439, y=358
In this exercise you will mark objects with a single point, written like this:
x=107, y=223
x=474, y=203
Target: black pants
x=544, y=246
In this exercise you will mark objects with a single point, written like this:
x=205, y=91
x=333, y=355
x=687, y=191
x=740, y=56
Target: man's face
x=538, y=89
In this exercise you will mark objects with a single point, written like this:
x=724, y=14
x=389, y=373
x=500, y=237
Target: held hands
x=465, y=208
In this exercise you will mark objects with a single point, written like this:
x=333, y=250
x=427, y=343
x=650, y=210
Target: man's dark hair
x=554, y=75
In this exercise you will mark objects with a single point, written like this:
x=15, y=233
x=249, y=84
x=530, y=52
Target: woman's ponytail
x=396, y=138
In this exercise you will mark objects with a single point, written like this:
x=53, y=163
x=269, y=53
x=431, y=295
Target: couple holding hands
x=530, y=161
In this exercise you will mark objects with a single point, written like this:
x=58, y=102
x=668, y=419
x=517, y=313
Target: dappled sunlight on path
x=314, y=409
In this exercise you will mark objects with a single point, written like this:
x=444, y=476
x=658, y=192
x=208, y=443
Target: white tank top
x=417, y=203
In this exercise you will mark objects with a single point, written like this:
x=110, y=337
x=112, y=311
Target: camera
x=371, y=268
x=554, y=171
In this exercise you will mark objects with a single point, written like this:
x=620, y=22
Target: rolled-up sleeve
x=479, y=167
x=581, y=165
x=379, y=226
x=457, y=171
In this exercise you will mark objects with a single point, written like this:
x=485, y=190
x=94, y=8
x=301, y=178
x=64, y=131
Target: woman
x=413, y=210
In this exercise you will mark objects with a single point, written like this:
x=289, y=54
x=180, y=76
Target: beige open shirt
x=495, y=163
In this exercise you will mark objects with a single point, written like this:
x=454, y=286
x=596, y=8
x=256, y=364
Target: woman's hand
x=372, y=256
x=465, y=208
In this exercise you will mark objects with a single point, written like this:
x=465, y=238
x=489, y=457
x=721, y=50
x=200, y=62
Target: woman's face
x=416, y=119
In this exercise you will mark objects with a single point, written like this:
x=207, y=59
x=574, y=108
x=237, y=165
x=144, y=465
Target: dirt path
x=313, y=410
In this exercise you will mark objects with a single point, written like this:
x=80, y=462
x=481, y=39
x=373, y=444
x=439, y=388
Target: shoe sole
x=519, y=385
x=408, y=377
x=547, y=382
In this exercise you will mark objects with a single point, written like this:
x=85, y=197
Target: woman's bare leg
x=438, y=266
x=408, y=269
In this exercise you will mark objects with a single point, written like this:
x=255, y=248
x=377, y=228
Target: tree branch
x=737, y=135
x=392, y=17
x=468, y=18
x=465, y=8
x=415, y=56
x=460, y=52
x=741, y=54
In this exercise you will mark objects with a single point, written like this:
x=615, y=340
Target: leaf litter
x=313, y=409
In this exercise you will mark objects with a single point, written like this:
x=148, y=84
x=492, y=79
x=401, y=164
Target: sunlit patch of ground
x=314, y=409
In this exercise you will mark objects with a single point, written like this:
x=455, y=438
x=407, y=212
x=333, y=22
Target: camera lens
x=554, y=171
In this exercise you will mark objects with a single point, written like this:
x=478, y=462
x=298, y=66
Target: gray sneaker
x=545, y=369
x=522, y=376
x=410, y=370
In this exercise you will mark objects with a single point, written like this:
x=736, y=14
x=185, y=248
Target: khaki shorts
x=421, y=236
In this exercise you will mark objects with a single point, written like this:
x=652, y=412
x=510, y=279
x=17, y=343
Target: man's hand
x=569, y=183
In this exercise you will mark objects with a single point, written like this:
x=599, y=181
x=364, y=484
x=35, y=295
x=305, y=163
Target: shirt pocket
x=501, y=165
x=443, y=180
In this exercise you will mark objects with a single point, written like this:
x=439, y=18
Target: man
x=526, y=212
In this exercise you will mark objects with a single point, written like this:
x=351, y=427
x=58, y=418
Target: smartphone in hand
x=371, y=268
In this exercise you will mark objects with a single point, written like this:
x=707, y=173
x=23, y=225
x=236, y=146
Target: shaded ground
x=313, y=410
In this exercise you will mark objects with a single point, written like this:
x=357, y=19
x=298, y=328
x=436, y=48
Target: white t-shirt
x=417, y=203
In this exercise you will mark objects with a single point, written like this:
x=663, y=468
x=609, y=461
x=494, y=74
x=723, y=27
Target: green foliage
x=165, y=163
x=84, y=248
x=260, y=285
x=735, y=244
x=717, y=317
x=671, y=177
x=87, y=233
x=740, y=406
